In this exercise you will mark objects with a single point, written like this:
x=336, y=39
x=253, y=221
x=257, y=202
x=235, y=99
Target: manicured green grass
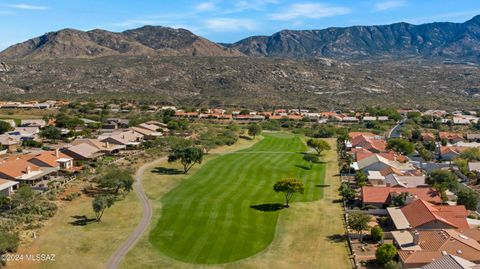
x=208, y=218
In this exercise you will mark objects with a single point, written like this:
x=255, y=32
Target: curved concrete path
x=122, y=251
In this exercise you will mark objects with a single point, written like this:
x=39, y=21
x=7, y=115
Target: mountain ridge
x=441, y=40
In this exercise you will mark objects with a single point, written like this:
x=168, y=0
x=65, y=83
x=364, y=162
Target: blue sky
x=219, y=20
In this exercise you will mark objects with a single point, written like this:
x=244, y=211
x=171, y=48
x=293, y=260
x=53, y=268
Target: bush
x=72, y=196
x=376, y=233
x=392, y=265
x=385, y=253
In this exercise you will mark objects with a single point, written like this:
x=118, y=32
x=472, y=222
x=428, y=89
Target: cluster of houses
x=428, y=232
x=49, y=104
x=278, y=114
x=39, y=167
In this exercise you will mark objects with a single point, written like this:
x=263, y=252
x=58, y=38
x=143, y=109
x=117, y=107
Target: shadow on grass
x=338, y=201
x=303, y=167
x=268, y=207
x=322, y=186
x=81, y=220
x=337, y=238
x=166, y=171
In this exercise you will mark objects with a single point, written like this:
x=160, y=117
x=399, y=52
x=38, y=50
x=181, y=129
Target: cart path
x=122, y=251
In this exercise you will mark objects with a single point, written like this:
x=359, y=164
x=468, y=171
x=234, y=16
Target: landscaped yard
x=208, y=217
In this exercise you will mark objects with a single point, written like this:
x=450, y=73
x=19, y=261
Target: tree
x=347, y=192
x=318, y=145
x=468, y=198
x=376, y=233
x=426, y=154
x=5, y=127
x=358, y=222
x=8, y=243
x=400, y=199
x=401, y=146
x=100, y=203
x=361, y=178
x=52, y=133
x=254, y=129
x=443, y=180
x=289, y=187
x=471, y=154
x=188, y=157
x=385, y=253
x=310, y=158
x=24, y=197
x=117, y=179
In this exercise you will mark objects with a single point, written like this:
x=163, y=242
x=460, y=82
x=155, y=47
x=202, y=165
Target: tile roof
x=382, y=195
x=420, y=212
x=17, y=167
x=51, y=157
x=436, y=243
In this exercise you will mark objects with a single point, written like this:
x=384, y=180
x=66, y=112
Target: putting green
x=226, y=211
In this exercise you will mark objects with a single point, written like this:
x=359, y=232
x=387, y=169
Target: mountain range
x=453, y=41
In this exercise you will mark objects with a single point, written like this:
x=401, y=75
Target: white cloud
x=205, y=6
x=310, y=11
x=25, y=6
x=231, y=25
x=255, y=4
x=382, y=6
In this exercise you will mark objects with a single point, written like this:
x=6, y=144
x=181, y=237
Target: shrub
x=392, y=265
x=385, y=253
x=72, y=196
x=376, y=233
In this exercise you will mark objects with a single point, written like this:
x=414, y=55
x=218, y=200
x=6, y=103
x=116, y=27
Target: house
x=147, y=133
x=419, y=248
x=447, y=153
x=383, y=196
x=378, y=163
x=104, y=147
x=53, y=159
x=7, y=187
x=128, y=138
x=451, y=137
x=33, y=123
x=372, y=144
x=420, y=214
x=82, y=152
x=451, y=262
x=21, y=170
x=10, y=143
x=428, y=137
x=25, y=133
x=474, y=166
x=473, y=137
x=393, y=180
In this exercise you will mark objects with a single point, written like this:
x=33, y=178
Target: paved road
x=122, y=251
x=395, y=131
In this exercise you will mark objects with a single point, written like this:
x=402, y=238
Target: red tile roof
x=382, y=195
x=420, y=212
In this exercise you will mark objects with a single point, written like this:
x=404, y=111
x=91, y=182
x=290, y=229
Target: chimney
x=416, y=238
x=57, y=153
x=107, y=144
x=29, y=169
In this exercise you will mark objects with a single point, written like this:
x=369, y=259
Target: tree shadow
x=268, y=207
x=166, y=171
x=338, y=201
x=81, y=220
x=337, y=238
x=302, y=167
